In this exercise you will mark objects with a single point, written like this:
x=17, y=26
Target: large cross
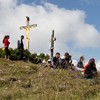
x=52, y=44
x=27, y=29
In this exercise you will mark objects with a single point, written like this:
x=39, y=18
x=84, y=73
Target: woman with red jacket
x=90, y=70
x=6, y=46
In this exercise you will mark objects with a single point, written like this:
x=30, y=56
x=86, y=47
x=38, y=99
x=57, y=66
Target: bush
x=15, y=55
x=2, y=53
x=26, y=54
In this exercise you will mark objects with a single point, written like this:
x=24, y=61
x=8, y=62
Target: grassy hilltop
x=26, y=81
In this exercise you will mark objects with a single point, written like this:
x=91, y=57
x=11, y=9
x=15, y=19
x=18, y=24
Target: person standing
x=21, y=47
x=6, y=46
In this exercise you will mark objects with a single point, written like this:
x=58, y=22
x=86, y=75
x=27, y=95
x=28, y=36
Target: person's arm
x=53, y=63
x=94, y=68
x=8, y=42
x=85, y=68
x=94, y=71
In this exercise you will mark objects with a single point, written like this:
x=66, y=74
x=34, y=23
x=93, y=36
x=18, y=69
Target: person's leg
x=6, y=52
x=21, y=54
x=89, y=76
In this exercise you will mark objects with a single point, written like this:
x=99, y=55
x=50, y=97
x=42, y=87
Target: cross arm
x=22, y=27
x=34, y=25
x=29, y=26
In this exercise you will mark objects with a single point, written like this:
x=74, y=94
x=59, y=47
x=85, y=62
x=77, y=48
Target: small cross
x=52, y=43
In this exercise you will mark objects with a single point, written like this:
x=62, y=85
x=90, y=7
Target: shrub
x=15, y=55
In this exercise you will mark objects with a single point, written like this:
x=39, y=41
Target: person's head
x=57, y=55
x=22, y=37
x=82, y=58
x=5, y=37
x=92, y=62
x=66, y=55
x=8, y=36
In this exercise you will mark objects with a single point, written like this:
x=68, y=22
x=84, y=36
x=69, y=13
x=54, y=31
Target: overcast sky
x=76, y=25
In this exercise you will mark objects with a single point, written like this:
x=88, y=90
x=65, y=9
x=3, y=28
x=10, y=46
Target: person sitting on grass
x=55, y=63
x=90, y=70
x=80, y=63
x=65, y=61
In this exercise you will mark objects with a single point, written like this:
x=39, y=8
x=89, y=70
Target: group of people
x=88, y=71
x=7, y=43
x=65, y=62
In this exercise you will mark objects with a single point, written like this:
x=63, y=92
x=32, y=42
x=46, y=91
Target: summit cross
x=27, y=29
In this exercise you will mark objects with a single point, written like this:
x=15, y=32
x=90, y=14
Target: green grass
x=26, y=81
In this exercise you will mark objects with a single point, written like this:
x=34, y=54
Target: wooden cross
x=27, y=29
x=52, y=44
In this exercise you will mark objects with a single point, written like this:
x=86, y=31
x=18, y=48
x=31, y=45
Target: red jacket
x=6, y=43
x=89, y=69
x=85, y=68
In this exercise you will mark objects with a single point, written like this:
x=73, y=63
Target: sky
x=76, y=25
x=91, y=8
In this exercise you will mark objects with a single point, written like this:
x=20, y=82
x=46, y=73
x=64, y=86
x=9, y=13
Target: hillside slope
x=26, y=81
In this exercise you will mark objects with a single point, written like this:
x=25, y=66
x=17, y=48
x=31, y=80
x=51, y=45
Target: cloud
x=69, y=26
x=98, y=65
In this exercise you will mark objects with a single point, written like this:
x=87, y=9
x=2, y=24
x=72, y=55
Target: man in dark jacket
x=21, y=47
x=55, y=63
